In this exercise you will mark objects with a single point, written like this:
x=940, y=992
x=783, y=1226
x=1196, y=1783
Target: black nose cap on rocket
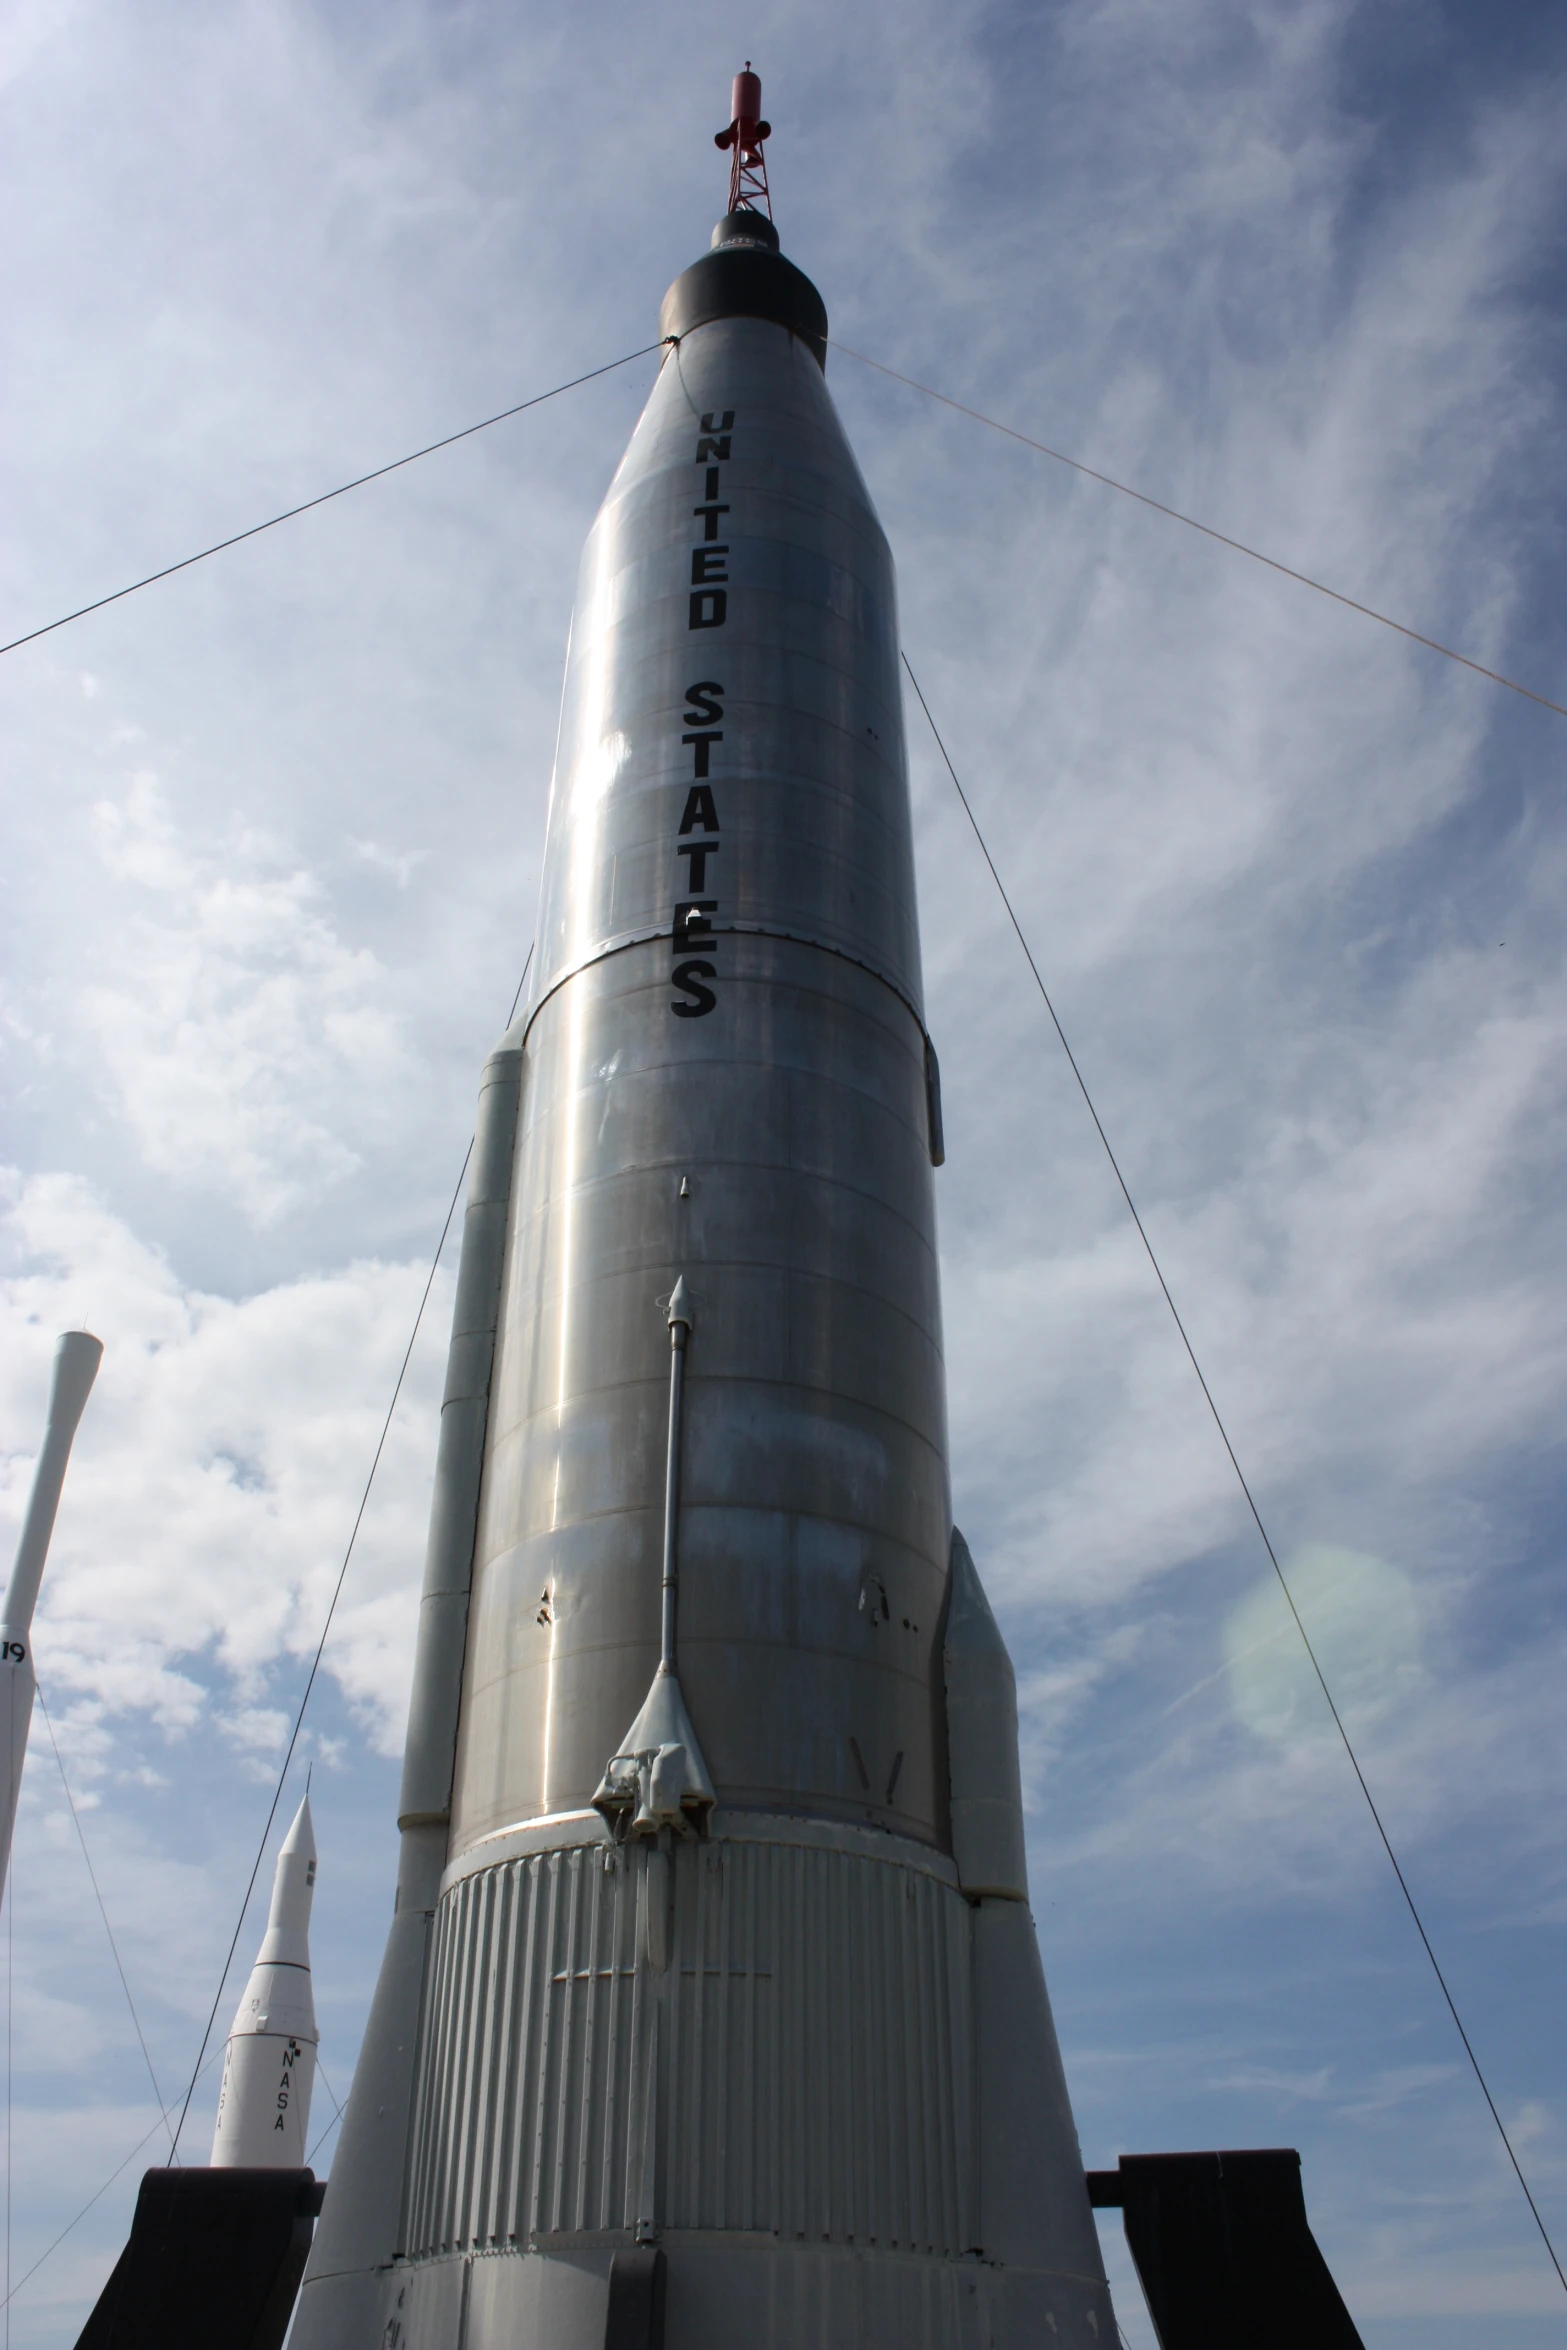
x=745, y=276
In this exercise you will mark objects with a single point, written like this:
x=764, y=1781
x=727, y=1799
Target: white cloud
x=215, y=1478
x=400, y=865
x=235, y=1017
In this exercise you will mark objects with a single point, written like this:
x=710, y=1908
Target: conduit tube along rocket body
x=723, y=1998
x=269, y=2065
x=76, y=1360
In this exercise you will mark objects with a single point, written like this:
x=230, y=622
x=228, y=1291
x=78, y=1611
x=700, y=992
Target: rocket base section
x=768, y=2055
x=719, y=2291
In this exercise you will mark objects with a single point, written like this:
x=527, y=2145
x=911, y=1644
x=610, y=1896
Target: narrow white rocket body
x=269, y=2065
x=76, y=1360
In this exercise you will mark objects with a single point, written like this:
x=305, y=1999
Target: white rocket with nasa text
x=269, y=2065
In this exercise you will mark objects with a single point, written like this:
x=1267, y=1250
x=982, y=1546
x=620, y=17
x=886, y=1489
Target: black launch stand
x=213, y=2263
x=1226, y=2258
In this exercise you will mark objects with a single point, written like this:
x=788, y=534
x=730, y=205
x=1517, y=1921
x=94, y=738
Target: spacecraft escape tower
x=712, y=2011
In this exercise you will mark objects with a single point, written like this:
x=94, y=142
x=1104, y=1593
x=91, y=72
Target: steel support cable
x=337, y=2113
x=326, y=497
x=977, y=415
x=162, y=2122
x=119, y=1964
x=337, y=1593
x=53, y=2246
x=1240, y=1475
x=1174, y=514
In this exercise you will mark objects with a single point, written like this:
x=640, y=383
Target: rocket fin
x=1034, y=2214
x=982, y=1757
x=346, y=2282
x=1035, y=2220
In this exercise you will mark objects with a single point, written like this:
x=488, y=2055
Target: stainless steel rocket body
x=724, y=1076
x=798, y=2051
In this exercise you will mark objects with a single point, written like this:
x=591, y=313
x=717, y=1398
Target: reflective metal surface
x=724, y=1076
x=809, y=773
x=787, y=2020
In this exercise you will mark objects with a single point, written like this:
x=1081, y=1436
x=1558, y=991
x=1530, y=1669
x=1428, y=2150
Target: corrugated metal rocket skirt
x=783, y=2051
x=747, y=2047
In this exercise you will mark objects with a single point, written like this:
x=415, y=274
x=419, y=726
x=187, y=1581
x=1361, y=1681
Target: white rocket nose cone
x=293, y=1891
x=301, y=1839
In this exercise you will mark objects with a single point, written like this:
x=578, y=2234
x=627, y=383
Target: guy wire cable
x=1174, y=514
x=119, y=1967
x=337, y=2115
x=1240, y=1474
x=337, y=1593
x=97, y=2196
x=1042, y=448
x=326, y=497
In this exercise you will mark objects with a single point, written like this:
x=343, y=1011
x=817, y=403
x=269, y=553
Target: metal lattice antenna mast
x=748, y=169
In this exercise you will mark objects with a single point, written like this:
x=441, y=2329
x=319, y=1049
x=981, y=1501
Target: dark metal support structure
x=213, y=2262
x=1226, y=2257
x=635, y=2319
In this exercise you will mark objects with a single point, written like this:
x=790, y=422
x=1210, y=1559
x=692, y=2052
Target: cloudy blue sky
x=271, y=845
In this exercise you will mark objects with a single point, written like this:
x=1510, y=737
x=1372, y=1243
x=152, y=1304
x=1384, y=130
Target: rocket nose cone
x=293, y=1891
x=301, y=1837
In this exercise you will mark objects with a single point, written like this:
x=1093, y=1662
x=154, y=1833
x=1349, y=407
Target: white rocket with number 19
x=76, y=1360
x=269, y=2065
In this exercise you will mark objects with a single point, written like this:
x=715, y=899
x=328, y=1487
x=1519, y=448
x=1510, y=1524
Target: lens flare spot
x=1362, y=1618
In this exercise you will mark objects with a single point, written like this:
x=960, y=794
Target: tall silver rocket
x=712, y=2011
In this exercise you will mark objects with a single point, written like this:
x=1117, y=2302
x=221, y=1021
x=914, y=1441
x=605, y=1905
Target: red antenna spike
x=748, y=190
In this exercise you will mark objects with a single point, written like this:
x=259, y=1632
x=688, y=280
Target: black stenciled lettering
x=703, y=707
x=707, y=563
x=711, y=491
x=703, y=743
x=709, y=608
x=712, y=445
x=697, y=852
x=710, y=513
x=699, y=809
x=688, y=977
x=712, y=422
x=691, y=932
